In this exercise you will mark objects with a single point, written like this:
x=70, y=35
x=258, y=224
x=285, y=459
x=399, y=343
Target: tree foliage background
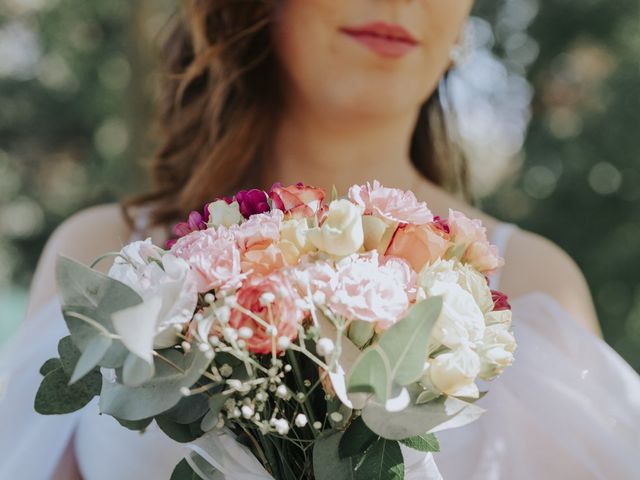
x=77, y=83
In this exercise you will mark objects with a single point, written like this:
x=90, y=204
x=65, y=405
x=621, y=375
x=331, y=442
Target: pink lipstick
x=385, y=39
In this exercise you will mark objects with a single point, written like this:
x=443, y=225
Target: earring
x=461, y=50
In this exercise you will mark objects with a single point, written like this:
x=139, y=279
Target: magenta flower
x=251, y=202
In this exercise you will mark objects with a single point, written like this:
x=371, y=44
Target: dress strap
x=500, y=238
x=141, y=223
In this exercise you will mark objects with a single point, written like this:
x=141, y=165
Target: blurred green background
x=77, y=83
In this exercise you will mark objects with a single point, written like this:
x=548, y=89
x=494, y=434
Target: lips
x=385, y=39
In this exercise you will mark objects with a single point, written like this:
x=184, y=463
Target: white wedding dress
x=569, y=408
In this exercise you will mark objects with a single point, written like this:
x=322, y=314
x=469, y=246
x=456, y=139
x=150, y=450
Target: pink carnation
x=259, y=231
x=284, y=314
x=362, y=289
x=391, y=204
x=214, y=258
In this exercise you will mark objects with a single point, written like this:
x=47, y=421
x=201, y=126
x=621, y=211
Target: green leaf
x=406, y=342
x=183, y=471
x=383, y=461
x=90, y=357
x=423, y=443
x=85, y=292
x=50, y=365
x=136, y=371
x=444, y=412
x=189, y=409
x=160, y=393
x=356, y=439
x=56, y=396
x=176, y=431
x=69, y=354
x=136, y=425
x=215, y=404
x=327, y=464
x=371, y=373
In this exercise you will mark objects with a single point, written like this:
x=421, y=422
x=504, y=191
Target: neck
x=328, y=150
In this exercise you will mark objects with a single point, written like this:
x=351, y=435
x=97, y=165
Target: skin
x=351, y=111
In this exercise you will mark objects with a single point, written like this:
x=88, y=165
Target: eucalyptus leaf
x=356, y=439
x=371, y=373
x=445, y=412
x=50, y=365
x=69, y=354
x=55, y=395
x=215, y=404
x=382, y=461
x=327, y=464
x=90, y=357
x=136, y=425
x=406, y=342
x=87, y=293
x=423, y=443
x=183, y=471
x=136, y=371
x=176, y=431
x=159, y=394
x=189, y=409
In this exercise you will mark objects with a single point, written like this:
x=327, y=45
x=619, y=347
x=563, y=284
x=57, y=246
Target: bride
x=299, y=90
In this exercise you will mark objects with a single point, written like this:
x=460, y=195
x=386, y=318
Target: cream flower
x=455, y=372
x=461, y=321
x=496, y=351
x=341, y=233
x=476, y=284
x=224, y=214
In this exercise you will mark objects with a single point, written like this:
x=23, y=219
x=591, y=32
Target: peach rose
x=285, y=315
x=419, y=244
x=262, y=260
x=297, y=200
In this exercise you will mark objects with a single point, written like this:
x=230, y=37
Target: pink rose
x=483, y=256
x=419, y=244
x=259, y=231
x=471, y=236
x=465, y=230
x=297, y=200
x=284, y=314
x=392, y=204
x=214, y=258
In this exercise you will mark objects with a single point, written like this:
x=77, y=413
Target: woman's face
x=365, y=56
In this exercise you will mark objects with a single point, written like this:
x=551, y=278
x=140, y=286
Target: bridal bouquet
x=282, y=335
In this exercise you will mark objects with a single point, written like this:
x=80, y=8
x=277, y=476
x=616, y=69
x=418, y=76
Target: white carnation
x=496, y=350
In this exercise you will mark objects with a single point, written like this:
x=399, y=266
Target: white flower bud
x=301, y=420
x=281, y=426
x=272, y=331
x=185, y=392
x=230, y=334
x=325, y=346
x=282, y=391
x=186, y=346
x=267, y=298
x=247, y=412
x=226, y=370
x=317, y=425
x=209, y=298
x=283, y=343
x=319, y=297
x=336, y=417
x=245, y=332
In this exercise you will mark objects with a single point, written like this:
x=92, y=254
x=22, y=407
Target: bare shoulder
x=535, y=263
x=83, y=237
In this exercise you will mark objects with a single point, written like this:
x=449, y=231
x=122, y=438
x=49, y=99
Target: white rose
x=460, y=322
x=440, y=270
x=496, y=351
x=502, y=317
x=377, y=233
x=168, y=290
x=224, y=214
x=454, y=372
x=476, y=284
x=294, y=241
x=341, y=233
